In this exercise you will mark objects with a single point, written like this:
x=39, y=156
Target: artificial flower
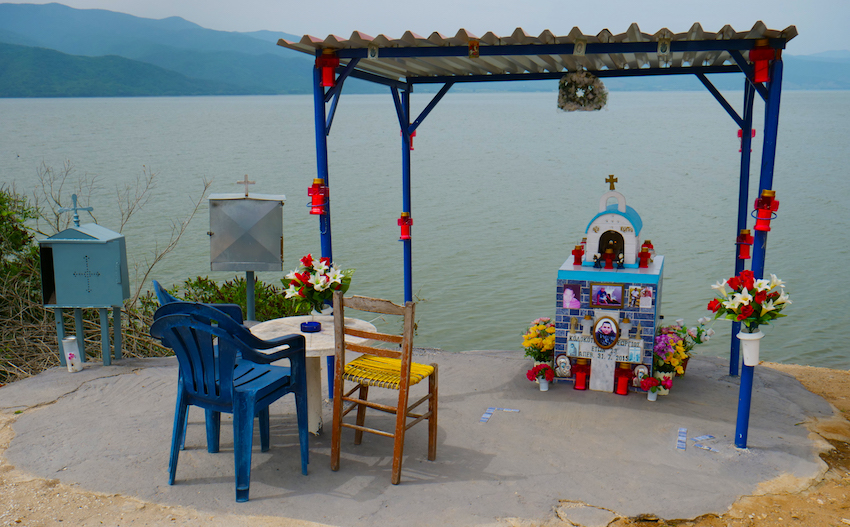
x=753, y=302
x=310, y=284
x=539, y=340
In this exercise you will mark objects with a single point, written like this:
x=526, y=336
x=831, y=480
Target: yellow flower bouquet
x=539, y=340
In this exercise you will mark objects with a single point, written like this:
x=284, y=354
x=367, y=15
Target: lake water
x=503, y=187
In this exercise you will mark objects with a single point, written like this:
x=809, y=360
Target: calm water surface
x=503, y=187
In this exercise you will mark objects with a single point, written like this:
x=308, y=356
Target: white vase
x=71, y=350
x=544, y=385
x=750, y=344
x=660, y=376
x=651, y=396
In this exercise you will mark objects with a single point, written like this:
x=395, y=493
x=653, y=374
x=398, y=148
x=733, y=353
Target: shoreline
x=30, y=500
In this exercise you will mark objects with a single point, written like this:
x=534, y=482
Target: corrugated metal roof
x=413, y=58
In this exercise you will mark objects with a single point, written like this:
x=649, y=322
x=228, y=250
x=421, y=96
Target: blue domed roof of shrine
x=630, y=214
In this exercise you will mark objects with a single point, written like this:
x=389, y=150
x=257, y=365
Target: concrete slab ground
x=586, y=457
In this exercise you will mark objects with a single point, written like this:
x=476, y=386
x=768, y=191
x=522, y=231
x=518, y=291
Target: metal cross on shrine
x=246, y=183
x=611, y=180
x=75, y=208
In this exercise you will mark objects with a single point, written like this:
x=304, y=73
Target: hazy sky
x=821, y=24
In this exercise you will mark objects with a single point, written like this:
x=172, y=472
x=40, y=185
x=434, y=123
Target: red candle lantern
x=643, y=258
x=765, y=206
x=622, y=378
x=412, y=135
x=581, y=373
x=318, y=191
x=649, y=247
x=609, y=258
x=328, y=62
x=760, y=56
x=745, y=241
x=405, y=221
x=577, y=253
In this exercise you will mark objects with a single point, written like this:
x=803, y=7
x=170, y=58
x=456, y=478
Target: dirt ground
x=32, y=501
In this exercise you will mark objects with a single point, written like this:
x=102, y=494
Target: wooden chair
x=383, y=368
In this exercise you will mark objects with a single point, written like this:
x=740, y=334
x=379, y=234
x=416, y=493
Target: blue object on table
x=311, y=327
x=217, y=383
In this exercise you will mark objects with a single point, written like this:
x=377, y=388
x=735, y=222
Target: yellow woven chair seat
x=383, y=372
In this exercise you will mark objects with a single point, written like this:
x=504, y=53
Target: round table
x=319, y=344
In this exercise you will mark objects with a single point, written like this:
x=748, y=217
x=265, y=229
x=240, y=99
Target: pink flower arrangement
x=541, y=371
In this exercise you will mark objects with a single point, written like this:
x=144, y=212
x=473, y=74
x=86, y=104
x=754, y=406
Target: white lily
x=767, y=307
x=762, y=285
x=335, y=276
x=720, y=287
x=783, y=299
x=320, y=282
x=291, y=275
x=775, y=282
x=320, y=266
x=737, y=300
x=291, y=291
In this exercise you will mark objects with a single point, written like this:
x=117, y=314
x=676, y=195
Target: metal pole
x=406, y=195
x=771, y=127
x=116, y=329
x=60, y=332
x=322, y=159
x=249, y=295
x=743, y=208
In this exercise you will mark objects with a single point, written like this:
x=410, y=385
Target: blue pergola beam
x=747, y=68
x=679, y=46
x=722, y=100
x=550, y=75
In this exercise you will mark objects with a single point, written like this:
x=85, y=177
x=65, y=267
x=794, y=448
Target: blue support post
x=104, y=337
x=405, y=174
x=116, y=329
x=60, y=332
x=322, y=159
x=771, y=127
x=81, y=334
x=743, y=208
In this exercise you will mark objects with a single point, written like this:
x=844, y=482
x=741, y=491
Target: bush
x=269, y=300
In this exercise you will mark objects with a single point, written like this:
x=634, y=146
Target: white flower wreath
x=581, y=91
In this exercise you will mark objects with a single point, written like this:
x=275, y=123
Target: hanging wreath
x=581, y=91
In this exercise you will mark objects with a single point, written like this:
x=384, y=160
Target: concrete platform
x=589, y=456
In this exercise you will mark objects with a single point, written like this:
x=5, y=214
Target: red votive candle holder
x=622, y=378
x=581, y=373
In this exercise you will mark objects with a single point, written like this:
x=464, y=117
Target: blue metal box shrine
x=607, y=299
x=86, y=267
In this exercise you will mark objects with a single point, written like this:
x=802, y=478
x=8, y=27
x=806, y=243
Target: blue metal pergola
x=401, y=64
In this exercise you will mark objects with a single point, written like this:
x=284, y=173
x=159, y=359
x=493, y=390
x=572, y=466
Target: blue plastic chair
x=213, y=381
x=235, y=312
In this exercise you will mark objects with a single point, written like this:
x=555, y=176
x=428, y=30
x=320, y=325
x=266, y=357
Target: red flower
x=326, y=261
x=302, y=277
x=760, y=297
x=301, y=293
x=748, y=279
x=714, y=305
x=307, y=261
x=746, y=311
x=773, y=295
x=734, y=283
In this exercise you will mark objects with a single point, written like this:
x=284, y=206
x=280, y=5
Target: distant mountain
x=205, y=61
x=252, y=62
x=38, y=72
